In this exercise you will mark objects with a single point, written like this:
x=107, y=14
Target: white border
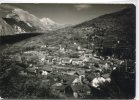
x=70, y=1
x=135, y=2
x=137, y=49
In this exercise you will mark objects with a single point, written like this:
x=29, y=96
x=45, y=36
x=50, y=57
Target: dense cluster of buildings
x=67, y=75
x=71, y=73
x=84, y=55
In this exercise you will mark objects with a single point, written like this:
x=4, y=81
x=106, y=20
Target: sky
x=69, y=13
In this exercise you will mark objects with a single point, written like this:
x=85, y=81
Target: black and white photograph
x=67, y=51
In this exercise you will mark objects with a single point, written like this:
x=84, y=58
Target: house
x=31, y=71
x=49, y=59
x=51, y=47
x=46, y=68
x=65, y=61
x=81, y=51
x=79, y=47
x=89, y=55
x=88, y=70
x=76, y=61
x=42, y=59
x=56, y=60
x=44, y=72
x=79, y=76
x=71, y=72
x=43, y=46
x=78, y=80
x=114, y=68
x=62, y=49
x=75, y=43
x=86, y=59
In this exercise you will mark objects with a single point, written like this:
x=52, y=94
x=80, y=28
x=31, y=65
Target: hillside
x=115, y=30
x=5, y=29
x=118, y=26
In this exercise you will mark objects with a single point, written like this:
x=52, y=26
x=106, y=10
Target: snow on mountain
x=51, y=25
x=24, y=16
x=30, y=23
x=23, y=22
x=47, y=21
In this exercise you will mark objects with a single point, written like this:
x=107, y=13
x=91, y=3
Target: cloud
x=7, y=6
x=82, y=6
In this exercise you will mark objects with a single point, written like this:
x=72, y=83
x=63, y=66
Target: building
x=65, y=61
x=76, y=61
x=56, y=60
x=46, y=68
x=62, y=50
x=71, y=72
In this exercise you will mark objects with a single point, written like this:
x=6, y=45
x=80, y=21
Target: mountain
x=47, y=21
x=51, y=25
x=12, y=27
x=111, y=33
x=24, y=21
x=114, y=30
x=16, y=22
x=5, y=29
x=118, y=26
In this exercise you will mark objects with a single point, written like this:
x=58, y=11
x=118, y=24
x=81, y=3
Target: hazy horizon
x=69, y=13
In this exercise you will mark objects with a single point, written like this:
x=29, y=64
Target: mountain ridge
x=22, y=21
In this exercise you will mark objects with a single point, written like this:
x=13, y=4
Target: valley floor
x=59, y=74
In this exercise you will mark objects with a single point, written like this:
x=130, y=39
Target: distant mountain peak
x=50, y=24
x=29, y=19
x=47, y=21
x=23, y=21
x=20, y=14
